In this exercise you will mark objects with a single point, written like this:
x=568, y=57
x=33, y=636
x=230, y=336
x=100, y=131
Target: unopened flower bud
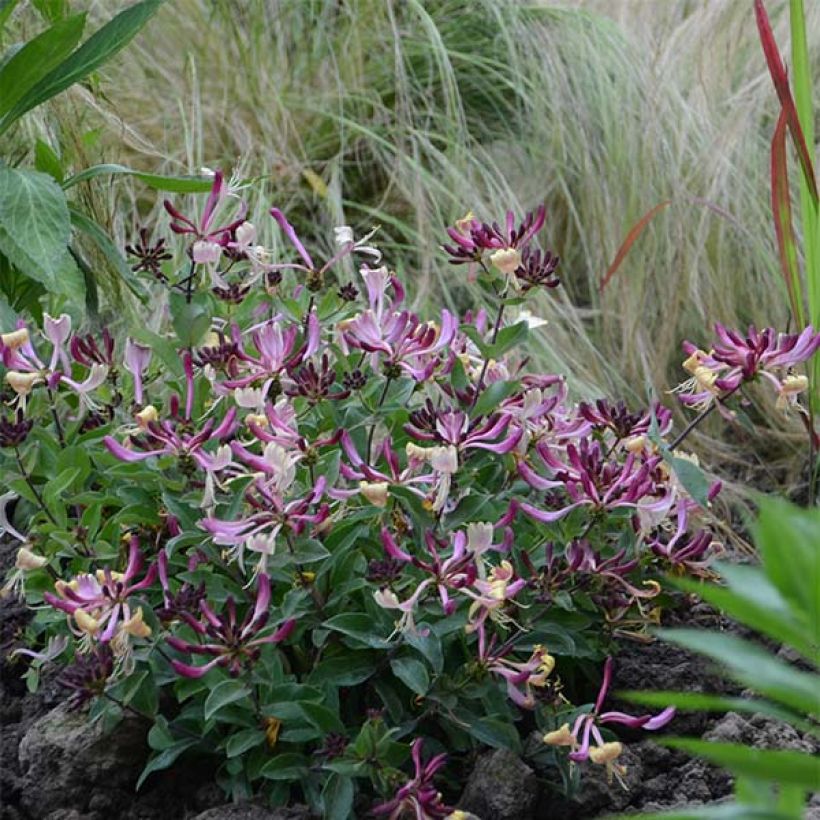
x=375, y=492
x=27, y=560
x=507, y=260
x=15, y=339
x=464, y=224
x=86, y=623
x=606, y=753
x=146, y=415
x=560, y=737
x=136, y=626
x=206, y=252
x=22, y=383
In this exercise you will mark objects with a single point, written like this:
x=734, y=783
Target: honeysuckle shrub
x=335, y=546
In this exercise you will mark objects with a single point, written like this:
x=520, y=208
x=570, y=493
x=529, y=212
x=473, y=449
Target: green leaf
x=321, y=717
x=337, y=797
x=47, y=161
x=37, y=58
x=499, y=734
x=753, y=667
x=35, y=229
x=753, y=601
x=492, y=396
x=192, y=319
x=288, y=766
x=94, y=52
x=724, y=811
x=508, y=338
x=242, y=741
x=165, y=758
x=160, y=182
x=779, y=766
x=359, y=626
x=109, y=250
x=223, y=694
x=412, y=673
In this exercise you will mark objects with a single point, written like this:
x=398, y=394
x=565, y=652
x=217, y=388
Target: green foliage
x=779, y=600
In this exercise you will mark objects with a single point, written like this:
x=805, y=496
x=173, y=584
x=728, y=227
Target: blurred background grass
x=408, y=113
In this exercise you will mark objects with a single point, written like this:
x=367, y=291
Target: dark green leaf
x=360, y=626
x=508, y=338
x=165, y=758
x=94, y=52
x=243, y=740
x=412, y=673
x=47, y=161
x=337, y=796
x=499, y=734
x=288, y=766
x=37, y=58
x=223, y=694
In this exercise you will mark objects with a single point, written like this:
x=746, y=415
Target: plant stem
x=496, y=328
x=700, y=417
x=56, y=417
x=33, y=487
x=189, y=283
x=376, y=421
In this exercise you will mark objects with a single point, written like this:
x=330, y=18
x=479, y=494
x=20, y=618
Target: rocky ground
x=56, y=766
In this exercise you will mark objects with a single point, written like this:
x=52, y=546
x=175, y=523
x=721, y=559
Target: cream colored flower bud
x=636, y=444
x=146, y=415
x=694, y=361
x=136, y=626
x=15, y=339
x=560, y=737
x=464, y=224
x=375, y=492
x=87, y=624
x=257, y=419
x=507, y=260
x=22, y=383
x=28, y=560
x=606, y=753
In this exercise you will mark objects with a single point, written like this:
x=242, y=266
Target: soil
x=657, y=778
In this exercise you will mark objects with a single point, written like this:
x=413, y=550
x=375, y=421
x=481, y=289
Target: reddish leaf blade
x=631, y=237
x=782, y=210
x=781, y=84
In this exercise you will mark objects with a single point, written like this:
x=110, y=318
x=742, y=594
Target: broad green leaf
x=789, y=541
x=360, y=626
x=165, y=758
x=192, y=319
x=337, y=796
x=500, y=734
x=101, y=239
x=288, y=766
x=94, y=52
x=508, y=338
x=753, y=601
x=223, y=694
x=242, y=741
x=47, y=161
x=321, y=717
x=35, y=229
x=160, y=182
x=347, y=670
x=37, y=58
x=8, y=316
x=778, y=766
x=753, y=667
x=412, y=673
x=492, y=396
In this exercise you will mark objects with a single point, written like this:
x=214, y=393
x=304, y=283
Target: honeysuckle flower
x=204, y=230
x=137, y=360
x=418, y=797
x=472, y=239
x=230, y=644
x=57, y=331
x=14, y=339
x=22, y=384
x=735, y=359
x=356, y=469
x=55, y=646
x=88, y=675
x=99, y=604
x=87, y=352
x=315, y=275
x=492, y=595
x=623, y=424
x=521, y=678
x=456, y=572
x=585, y=729
x=96, y=377
x=25, y=561
x=272, y=515
x=400, y=341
